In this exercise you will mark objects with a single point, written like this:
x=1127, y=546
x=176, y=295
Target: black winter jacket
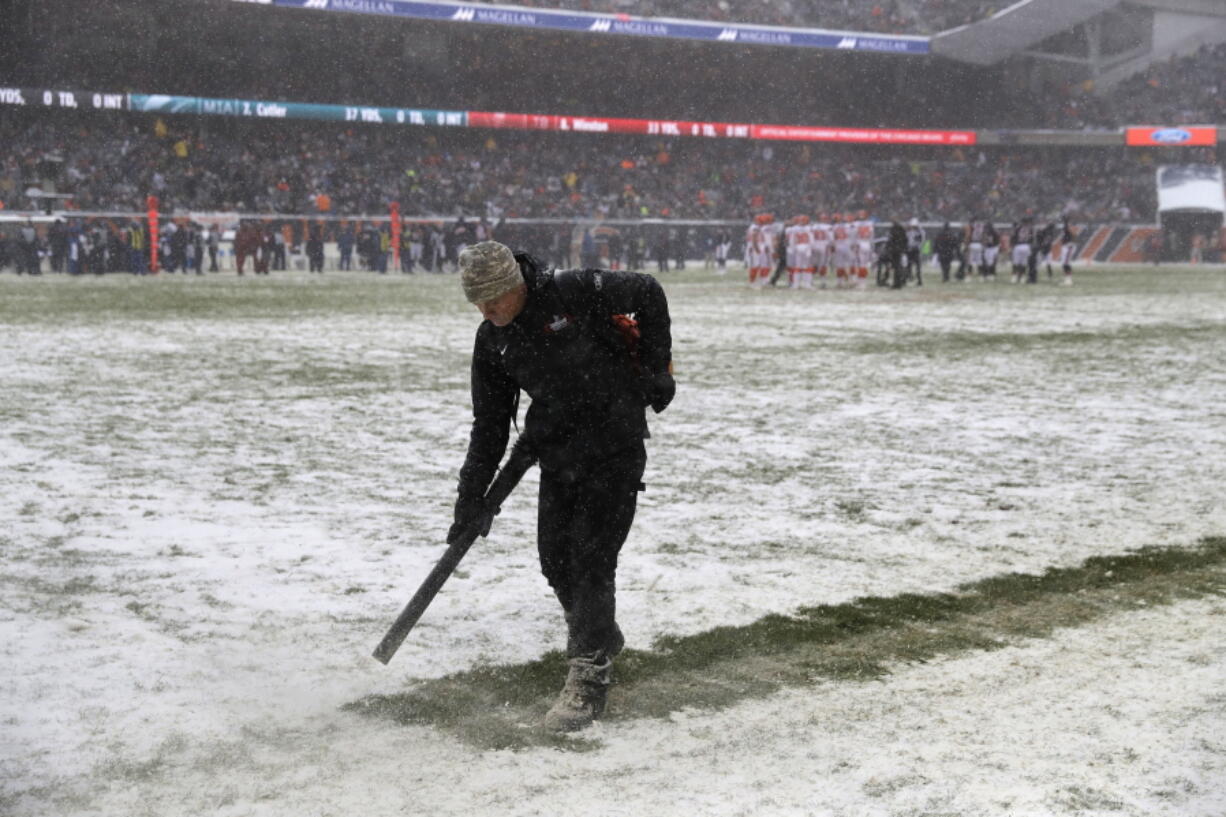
x=588, y=401
x=947, y=244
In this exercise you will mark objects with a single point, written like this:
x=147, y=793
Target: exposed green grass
x=500, y=706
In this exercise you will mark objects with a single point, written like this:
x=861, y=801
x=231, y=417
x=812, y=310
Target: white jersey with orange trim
x=772, y=231
x=822, y=236
x=863, y=231
x=758, y=247
x=800, y=246
x=843, y=242
x=791, y=240
x=753, y=236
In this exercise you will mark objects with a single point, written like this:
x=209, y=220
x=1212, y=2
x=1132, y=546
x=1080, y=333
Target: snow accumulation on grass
x=219, y=492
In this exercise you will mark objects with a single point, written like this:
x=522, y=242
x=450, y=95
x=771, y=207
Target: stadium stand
x=495, y=68
x=110, y=162
x=297, y=55
x=1185, y=90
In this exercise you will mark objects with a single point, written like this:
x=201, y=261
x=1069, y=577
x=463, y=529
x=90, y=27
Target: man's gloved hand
x=660, y=391
x=468, y=510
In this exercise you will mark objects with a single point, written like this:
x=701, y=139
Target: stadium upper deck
x=224, y=49
x=219, y=48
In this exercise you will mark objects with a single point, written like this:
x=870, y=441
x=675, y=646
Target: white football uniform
x=792, y=239
x=761, y=253
x=821, y=247
x=974, y=244
x=864, y=244
x=843, y=257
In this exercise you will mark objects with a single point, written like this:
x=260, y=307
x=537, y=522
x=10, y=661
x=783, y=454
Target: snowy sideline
x=215, y=512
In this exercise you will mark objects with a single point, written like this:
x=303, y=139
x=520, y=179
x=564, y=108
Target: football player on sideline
x=1068, y=246
x=1023, y=235
x=804, y=254
x=758, y=251
x=976, y=234
x=843, y=255
x=863, y=226
x=821, y=248
x=915, y=246
x=991, y=249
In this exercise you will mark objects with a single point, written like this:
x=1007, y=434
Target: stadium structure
x=954, y=547
x=1011, y=111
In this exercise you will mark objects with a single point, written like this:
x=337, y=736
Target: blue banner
x=621, y=24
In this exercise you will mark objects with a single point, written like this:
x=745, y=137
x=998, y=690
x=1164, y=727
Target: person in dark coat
x=315, y=249
x=246, y=244
x=915, y=245
x=553, y=337
x=178, y=251
x=615, y=250
x=57, y=242
x=948, y=248
x=268, y=249
x=636, y=249
x=662, y=248
x=896, y=252
x=1045, y=239
x=681, y=246
x=344, y=243
x=588, y=256
x=991, y=249
x=27, y=250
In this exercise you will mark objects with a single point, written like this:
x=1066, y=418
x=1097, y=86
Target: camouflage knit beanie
x=487, y=271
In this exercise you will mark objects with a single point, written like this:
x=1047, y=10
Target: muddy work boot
x=583, y=697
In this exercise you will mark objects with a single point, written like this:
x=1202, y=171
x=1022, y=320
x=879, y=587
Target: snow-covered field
x=218, y=493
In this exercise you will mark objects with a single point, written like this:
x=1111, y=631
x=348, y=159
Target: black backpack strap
x=574, y=294
x=591, y=308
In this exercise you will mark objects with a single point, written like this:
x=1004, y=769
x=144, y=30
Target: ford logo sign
x=1171, y=136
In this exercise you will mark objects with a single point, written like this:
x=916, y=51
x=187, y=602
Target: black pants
x=780, y=268
x=899, y=265
x=913, y=264
x=946, y=261
x=583, y=520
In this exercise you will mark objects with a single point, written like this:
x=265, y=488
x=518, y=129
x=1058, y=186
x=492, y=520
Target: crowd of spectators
x=880, y=16
x=1183, y=91
x=1186, y=90
x=112, y=162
